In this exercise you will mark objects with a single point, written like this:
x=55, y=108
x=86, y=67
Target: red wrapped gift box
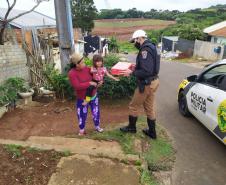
x=118, y=68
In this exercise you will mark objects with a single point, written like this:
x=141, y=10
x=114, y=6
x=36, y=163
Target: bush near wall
x=9, y=90
x=58, y=82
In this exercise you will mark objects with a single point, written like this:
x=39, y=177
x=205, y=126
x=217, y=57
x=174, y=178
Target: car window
x=215, y=77
x=222, y=84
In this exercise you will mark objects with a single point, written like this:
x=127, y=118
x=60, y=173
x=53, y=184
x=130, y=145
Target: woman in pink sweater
x=80, y=79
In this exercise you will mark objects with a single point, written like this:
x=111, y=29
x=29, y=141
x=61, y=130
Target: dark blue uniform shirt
x=145, y=61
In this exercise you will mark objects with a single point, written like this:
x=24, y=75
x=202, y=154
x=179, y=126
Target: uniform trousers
x=145, y=99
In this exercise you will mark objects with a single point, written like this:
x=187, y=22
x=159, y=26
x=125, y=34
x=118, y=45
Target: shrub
x=191, y=32
x=127, y=47
x=10, y=88
x=154, y=36
x=113, y=45
x=185, y=31
x=62, y=86
x=111, y=60
x=15, y=84
x=58, y=82
x=3, y=96
x=116, y=90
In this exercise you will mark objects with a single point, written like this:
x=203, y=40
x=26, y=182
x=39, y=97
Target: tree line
x=134, y=13
x=189, y=25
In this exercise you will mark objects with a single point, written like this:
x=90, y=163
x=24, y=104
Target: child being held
x=98, y=71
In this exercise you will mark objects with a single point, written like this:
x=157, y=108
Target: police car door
x=208, y=94
x=197, y=101
x=216, y=78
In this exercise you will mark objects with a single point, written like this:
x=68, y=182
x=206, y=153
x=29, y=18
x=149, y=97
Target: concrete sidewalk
x=86, y=170
x=94, y=162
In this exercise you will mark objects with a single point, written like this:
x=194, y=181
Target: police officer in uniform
x=146, y=73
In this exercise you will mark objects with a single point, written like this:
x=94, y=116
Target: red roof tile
x=221, y=32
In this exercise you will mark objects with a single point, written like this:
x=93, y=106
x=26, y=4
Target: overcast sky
x=144, y=5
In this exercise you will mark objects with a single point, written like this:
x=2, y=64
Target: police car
x=204, y=96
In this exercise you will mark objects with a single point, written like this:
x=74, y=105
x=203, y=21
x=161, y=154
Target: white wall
x=206, y=50
x=219, y=40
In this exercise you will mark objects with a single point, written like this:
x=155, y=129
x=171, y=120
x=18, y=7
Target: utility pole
x=65, y=31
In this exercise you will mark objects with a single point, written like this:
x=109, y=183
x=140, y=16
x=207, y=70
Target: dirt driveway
x=55, y=119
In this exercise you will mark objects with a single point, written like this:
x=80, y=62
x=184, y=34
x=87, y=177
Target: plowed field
x=123, y=28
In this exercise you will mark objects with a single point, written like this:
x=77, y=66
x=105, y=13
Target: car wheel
x=183, y=106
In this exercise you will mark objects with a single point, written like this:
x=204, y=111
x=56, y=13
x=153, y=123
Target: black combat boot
x=150, y=131
x=131, y=128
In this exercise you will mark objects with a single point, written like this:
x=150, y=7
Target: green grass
x=147, y=179
x=159, y=155
x=126, y=24
x=15, y=150
x=66, y=153
x=127, y=47
x=126, y=140
x=138, y=163
x=33, y=149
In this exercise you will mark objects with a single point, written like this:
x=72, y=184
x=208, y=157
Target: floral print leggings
x=82, y=112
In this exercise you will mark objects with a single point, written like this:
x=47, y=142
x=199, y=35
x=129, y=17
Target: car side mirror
x=192, y=78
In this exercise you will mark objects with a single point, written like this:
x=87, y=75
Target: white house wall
x=206, y=50
x=219, y=40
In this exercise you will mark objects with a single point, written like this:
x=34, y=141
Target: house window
x=215, y=39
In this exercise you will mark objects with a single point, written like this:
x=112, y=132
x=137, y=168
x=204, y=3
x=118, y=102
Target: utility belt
x=147, y=81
